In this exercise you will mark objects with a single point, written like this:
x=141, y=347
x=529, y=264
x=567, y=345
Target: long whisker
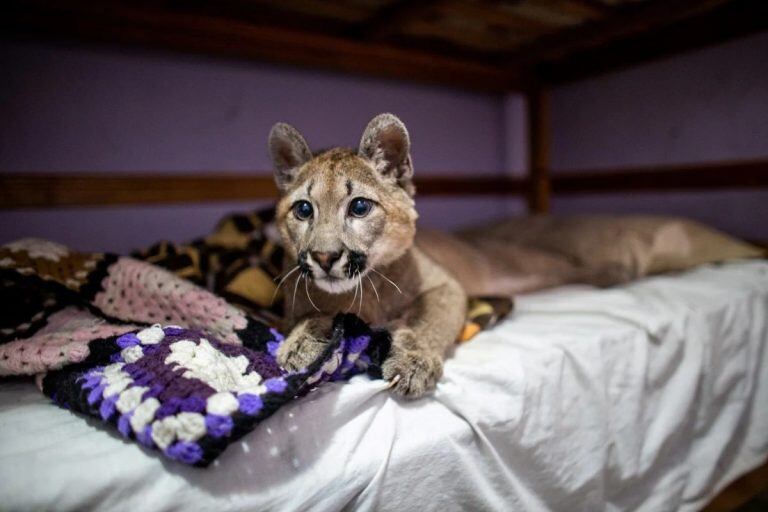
x=388, y=280
x=360, y=284
x=306, y=289
x=374, y=287
x=294, y=269
x=354, y=298
x=295, y=287
x=286, y=273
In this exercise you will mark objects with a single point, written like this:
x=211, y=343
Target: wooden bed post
x=538, y=150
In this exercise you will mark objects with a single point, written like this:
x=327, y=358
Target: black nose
x=326, y=259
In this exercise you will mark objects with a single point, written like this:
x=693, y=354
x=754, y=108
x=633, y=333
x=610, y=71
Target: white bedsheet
x=648, y=397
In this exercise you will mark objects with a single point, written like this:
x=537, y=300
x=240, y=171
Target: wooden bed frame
x=47, y=190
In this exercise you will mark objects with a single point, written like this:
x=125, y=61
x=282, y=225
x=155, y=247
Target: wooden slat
x=82, y=189
x=470, y=186
x=722, y=175
x=147, y=26
x=40, y=190
x=557, y=13
x=387, y=18
x=593, y=5
x=539, y=151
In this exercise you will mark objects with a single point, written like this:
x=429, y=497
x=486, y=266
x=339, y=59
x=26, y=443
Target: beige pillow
x=493, y=267
x=626, y=246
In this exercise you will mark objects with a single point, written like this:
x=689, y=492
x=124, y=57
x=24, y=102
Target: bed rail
x=47, y=190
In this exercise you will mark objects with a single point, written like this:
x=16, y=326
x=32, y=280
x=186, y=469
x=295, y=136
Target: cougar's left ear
x=289, y=151
x=386, y=143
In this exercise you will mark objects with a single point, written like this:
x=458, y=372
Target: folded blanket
x=185, y=393
x=141, y=344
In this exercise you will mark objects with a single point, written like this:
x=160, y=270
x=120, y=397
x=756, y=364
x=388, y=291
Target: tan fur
x=400, y=288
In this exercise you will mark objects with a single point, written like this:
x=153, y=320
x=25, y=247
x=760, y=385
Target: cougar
x=348, y=220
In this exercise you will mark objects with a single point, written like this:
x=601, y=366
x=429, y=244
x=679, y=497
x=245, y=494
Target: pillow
x=487, y=266
x=627, y=247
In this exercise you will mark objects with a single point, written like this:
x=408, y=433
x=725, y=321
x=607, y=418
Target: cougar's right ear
x=289, y=151
x=387, y=145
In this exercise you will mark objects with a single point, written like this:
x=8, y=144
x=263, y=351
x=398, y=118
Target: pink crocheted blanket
x=60, y=301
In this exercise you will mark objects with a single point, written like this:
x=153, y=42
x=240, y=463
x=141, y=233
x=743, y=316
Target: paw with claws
x=304, y=345
x=411, y=370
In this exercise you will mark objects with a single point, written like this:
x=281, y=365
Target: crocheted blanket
x=175, y=346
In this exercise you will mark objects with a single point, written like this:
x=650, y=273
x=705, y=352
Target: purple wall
x=83, y=109
x=707, y=105
x=77, y=109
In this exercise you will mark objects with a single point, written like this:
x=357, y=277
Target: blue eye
x=360, y=207
x=303, y=210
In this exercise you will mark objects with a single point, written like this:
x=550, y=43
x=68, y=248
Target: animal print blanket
x=174, y=346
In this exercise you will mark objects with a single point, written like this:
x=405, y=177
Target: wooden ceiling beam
x=386, y=19
x=117, y=23
x=735, y=19
x=627, y=21
x=594, y=5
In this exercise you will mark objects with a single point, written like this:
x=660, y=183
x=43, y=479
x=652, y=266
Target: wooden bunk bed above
x=495, y=45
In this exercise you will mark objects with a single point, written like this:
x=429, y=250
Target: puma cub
x=348, y=221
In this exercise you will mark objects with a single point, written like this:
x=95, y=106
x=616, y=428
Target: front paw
x=299, y=350
x=412, y=372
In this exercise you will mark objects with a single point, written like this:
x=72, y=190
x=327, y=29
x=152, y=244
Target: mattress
x=652, y=396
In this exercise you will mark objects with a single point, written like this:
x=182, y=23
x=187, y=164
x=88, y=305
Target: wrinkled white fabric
x=648, y=397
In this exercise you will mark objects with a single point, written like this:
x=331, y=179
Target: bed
x=650, y=396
